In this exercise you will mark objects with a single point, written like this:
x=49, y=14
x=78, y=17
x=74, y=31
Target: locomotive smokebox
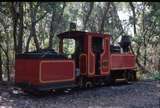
x=125, y=43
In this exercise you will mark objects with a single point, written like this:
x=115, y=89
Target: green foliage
x=157, y=76
x=147, y=18
x=69, y=46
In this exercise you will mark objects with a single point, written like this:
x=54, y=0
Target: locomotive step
x=120, y=79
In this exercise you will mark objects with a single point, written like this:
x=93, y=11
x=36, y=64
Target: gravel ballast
x=141, y=94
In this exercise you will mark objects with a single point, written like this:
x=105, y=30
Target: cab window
x=68, y=47
x=97, y=45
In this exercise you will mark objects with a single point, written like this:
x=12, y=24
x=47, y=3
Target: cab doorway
x=97, y=48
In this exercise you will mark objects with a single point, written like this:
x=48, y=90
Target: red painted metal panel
x=83, y=64
x=91, y=58
x=122, y=61
x=36, y=71
x=26, y=70
x=57, y=71
x=105, y=57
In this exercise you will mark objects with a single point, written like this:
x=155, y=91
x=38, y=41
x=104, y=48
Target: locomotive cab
x=72, y=45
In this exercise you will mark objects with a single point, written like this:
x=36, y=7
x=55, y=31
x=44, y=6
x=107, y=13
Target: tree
x=134, y=17
x=14, y=9
x=1, y=71
x=17, y=19
x=34, y=25
x=117, y=28
x=34, y=21
x=20, y=35
x=87, y=14
x=54, y=23
x=106, y=9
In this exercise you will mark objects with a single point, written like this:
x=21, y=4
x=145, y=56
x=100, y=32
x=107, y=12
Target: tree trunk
x=8, y=67
x=1, y=71
x=116, y=22
x=135, y=34
x=33, y=24
x=137, y=60
x=6, y=52
x=15, y=20
x=134, y=17
x=20, y=35
x=32, y=34
x=28, y=41
x=51, y=33
x=159, y=65
x=52, y=28
x=1, y=65
x=144, y=37
x=7, y=55
x=88, y=15
x=32, y=28
x=101, y=30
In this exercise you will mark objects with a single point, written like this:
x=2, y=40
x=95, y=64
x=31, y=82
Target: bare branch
x=104, y=17
x=40, y=18
x=88, y=15
x=134, y=17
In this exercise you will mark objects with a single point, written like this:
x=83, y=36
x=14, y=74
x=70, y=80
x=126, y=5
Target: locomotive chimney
x=72, y=26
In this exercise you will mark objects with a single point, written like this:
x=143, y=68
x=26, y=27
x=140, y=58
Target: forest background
x=28, y=26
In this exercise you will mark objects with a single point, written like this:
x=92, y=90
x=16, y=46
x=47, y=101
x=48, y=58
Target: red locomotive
x=94, y=61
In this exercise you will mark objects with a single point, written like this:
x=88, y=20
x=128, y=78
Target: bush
x=156, y=76
x=149, y=76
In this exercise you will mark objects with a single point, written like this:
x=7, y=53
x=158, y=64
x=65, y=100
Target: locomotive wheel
x=88, y=84
x=125, y=76
x=109, y=80
x=134, y=77
x=81, y=82
x=102, y=84
x=131, y=76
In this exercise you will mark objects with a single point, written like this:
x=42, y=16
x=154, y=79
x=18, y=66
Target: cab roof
x=78, y=34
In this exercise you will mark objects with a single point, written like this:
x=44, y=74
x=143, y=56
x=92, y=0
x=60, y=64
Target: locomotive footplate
x=46, y=87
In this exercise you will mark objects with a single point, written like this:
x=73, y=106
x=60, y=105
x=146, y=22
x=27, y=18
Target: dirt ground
x=141, y=94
